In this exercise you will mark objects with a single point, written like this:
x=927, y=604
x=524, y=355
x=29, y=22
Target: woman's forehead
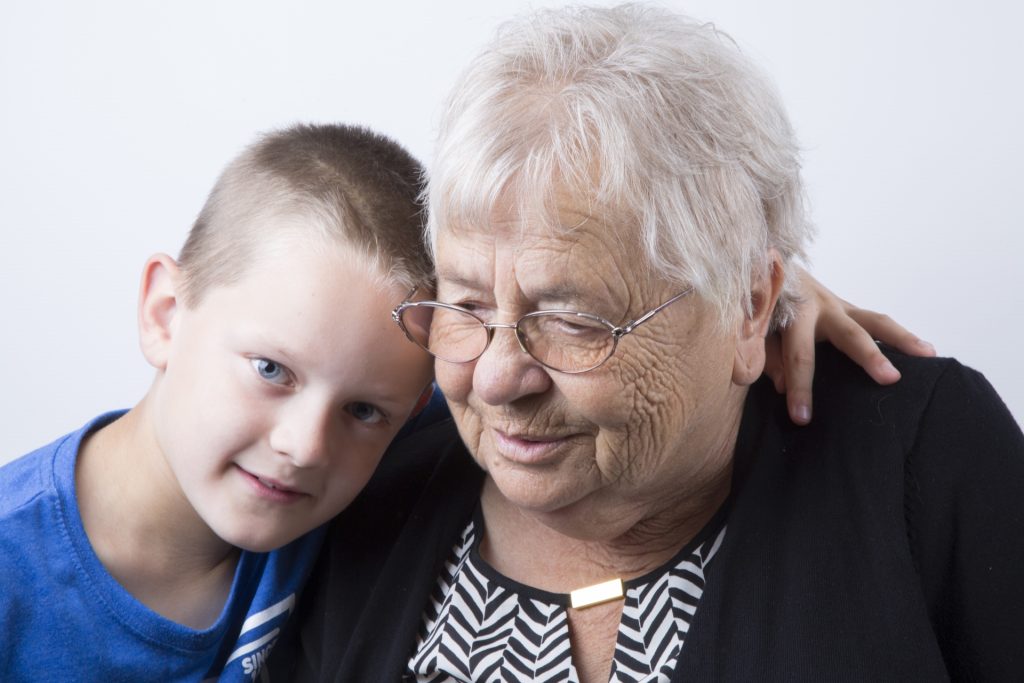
x=557, y=208
x=586, y=262
x=574, y=238
x=567, y=220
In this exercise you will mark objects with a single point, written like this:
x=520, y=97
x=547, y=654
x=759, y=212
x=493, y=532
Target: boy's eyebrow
x=271, y=348
x=373, y=392
x=382, y=394
x=278, y=351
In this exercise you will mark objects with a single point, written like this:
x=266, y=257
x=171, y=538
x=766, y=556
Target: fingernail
x=889, y=368
x=925, y=346
x=803, y=414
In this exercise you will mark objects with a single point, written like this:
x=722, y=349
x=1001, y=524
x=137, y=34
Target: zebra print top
x=482, y=626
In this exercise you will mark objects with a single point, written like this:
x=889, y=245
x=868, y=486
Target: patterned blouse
x=482, y=626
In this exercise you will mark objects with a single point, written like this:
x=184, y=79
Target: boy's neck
x=144, y=530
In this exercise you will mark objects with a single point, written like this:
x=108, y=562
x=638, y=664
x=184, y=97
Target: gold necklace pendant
x=599, y=593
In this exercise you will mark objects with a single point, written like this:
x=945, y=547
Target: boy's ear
x=748, y=363
x=423, y=400
x=158, y=306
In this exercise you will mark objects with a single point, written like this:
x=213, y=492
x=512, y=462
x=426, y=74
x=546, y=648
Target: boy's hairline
x=194, y=289
x=362, y=188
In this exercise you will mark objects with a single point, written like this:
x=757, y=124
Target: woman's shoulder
x=960, y=447
x=935, y=397
x=963, y=509
x=922, y=480
x=940, y=436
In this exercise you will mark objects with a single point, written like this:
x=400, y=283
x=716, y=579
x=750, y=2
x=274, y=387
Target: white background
x=115, y=118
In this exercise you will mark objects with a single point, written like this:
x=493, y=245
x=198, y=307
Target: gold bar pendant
x=589, y=596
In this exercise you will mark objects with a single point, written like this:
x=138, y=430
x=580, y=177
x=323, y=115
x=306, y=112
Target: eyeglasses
x=567, y=341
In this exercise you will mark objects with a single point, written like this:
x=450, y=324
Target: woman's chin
x=535, y=492
x=568, y=509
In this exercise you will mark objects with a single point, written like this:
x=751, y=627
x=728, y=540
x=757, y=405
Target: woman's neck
x=143, y=529
x=524, y=548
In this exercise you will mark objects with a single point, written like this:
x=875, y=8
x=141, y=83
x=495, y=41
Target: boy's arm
x=823, y=316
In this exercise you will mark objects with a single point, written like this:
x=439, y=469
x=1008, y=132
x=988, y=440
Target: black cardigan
x=883, y=542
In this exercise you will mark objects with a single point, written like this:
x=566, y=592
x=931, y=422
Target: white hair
x=638, y=112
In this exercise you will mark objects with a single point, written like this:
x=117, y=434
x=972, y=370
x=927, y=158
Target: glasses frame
x=617, y=331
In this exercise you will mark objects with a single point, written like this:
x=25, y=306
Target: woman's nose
x=505, y=373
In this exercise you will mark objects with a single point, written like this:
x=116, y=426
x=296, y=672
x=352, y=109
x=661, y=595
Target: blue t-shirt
x=63, y=617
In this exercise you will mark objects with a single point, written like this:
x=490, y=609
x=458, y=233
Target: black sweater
x=883, y=542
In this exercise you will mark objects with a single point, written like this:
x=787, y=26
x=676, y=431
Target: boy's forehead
x=321, y=303
x=291, y=247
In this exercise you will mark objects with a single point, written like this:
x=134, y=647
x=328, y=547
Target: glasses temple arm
x=633, y=324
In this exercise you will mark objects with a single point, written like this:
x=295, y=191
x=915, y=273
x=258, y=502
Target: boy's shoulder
x=39, y=474
x=39, y=523
x=62, y=612
x=25, y=480
x=37, y=556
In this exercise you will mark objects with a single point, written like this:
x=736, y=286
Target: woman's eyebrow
x=559, y=292
x=449, y=277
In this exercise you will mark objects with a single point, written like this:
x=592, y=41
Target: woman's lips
x=528, y=449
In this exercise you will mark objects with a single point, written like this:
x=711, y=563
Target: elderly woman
x=614, y=208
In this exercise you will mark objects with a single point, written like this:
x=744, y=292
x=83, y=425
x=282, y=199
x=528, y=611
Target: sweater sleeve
x=964, y=504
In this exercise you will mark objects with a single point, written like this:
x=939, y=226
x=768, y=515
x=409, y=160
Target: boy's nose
x=302, y=434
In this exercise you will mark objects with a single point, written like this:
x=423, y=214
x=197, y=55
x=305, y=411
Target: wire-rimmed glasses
x=566, y=341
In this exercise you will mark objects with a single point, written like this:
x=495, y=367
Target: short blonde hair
x=344, y=183
x=639, y=112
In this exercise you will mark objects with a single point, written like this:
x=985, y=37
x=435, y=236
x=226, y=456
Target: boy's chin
x=260, y=546
x=248, y=536
x=256, y=525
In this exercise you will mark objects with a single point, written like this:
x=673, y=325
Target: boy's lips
x=276, y=485
x=273, y=489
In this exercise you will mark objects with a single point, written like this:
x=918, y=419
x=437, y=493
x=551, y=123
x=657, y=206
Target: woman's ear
x=158, y=306
x=750, y=350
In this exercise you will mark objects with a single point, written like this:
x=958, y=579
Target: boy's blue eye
x=365, y=412
x=269, y=370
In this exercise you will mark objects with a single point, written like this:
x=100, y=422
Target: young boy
x=169, y=542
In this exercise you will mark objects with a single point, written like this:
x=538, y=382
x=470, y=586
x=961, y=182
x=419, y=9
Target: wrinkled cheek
x=613, y=455
x=642, y=459
x=471, y=430
x=455, y=380
x=626, y=439
x=456, y=383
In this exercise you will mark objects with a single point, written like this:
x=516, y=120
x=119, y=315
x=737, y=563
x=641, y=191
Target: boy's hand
x=824, y=316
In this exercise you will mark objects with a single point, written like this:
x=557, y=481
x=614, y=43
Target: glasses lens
x=451, y=335
x=416, y=323
x=570, y=342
